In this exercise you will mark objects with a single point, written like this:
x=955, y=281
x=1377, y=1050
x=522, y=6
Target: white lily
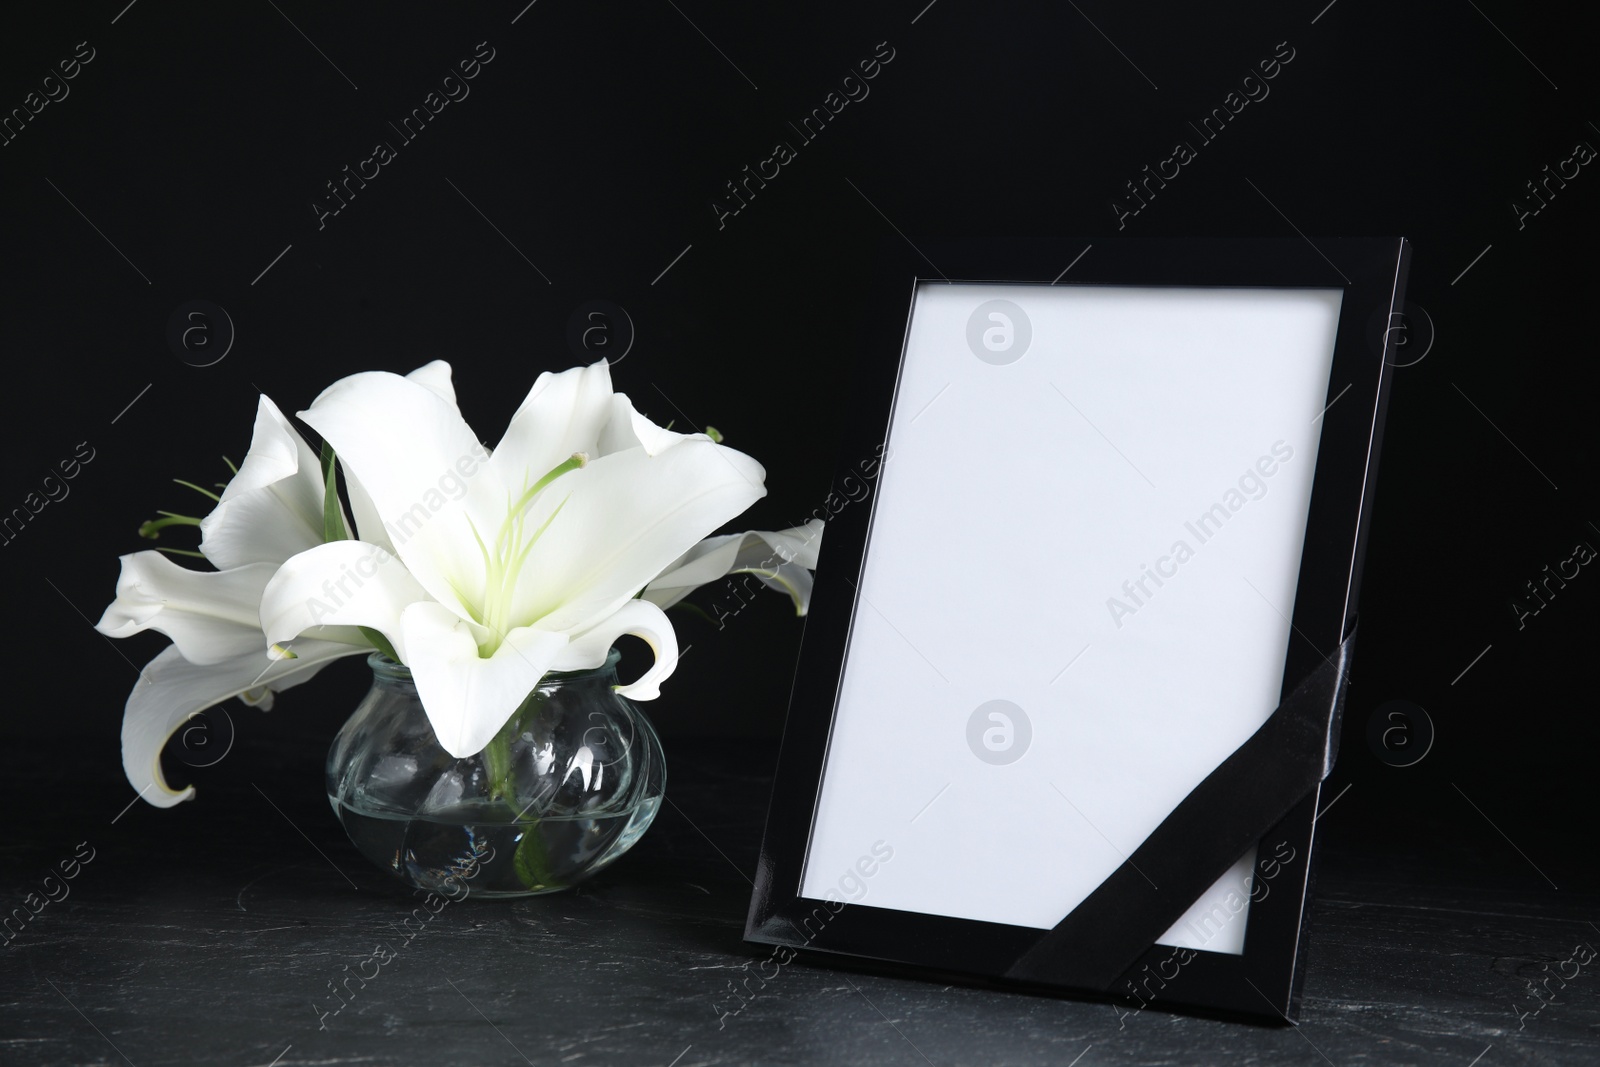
x=485, y=571
x=269, y=511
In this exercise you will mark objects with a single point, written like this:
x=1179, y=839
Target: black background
x=191, y=149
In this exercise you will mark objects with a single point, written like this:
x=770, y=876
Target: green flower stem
x=531, y=861
x=497, y=758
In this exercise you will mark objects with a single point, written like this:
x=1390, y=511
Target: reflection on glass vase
x=568, y=785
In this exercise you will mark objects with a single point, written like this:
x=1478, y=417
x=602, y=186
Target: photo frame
x=1077, y=648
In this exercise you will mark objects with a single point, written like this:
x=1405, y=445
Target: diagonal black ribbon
x=1227, y=813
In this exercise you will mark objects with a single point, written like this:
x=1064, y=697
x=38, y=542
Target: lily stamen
x=153, y=528
x=198, y=489
x=502, y=569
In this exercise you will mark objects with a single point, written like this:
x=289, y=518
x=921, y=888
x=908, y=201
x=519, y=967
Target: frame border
x=1264, y=983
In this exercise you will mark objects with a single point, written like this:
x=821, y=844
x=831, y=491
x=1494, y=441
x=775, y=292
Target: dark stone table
x=228, y=931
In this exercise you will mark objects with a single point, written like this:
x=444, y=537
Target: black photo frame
x=1263, y=794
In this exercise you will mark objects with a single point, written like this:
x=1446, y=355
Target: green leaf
x=379, y=642
x=332, y=515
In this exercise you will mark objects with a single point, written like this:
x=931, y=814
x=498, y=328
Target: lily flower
x=485, y=570
x=270, y=510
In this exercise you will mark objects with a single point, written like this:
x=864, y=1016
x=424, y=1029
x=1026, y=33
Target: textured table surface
x=218, y=932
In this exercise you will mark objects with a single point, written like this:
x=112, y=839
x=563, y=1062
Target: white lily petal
x=624, y=518
x=171, y=690
x=436, y=377
x=422, y=469
x=628, y=429
x=468, y=697
x=254, y=528
x=803, y=544
x=369, y=525
x=640, y=618
x=210, y=615
x=341, y=583
x=562, y=414
x=782, y=559
x=272, y=508
x=790, y=579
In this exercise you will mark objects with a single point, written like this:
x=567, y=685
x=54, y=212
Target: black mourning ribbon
x=1227, y=813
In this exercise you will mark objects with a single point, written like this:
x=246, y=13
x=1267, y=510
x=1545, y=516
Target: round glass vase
x=568, y=785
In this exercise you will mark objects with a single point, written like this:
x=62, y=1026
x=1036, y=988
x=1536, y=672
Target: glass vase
x=568, y=785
